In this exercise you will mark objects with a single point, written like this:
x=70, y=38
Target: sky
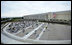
x=23, y=8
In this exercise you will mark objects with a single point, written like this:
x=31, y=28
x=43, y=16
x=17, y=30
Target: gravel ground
x=53, y=32
x=21, y=34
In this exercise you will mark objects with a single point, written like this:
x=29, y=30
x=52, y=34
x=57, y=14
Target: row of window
x=59, y=20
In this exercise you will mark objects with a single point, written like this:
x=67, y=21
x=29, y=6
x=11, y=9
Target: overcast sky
x=22, y=8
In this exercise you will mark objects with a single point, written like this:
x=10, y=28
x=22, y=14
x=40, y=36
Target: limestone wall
x=62, y=15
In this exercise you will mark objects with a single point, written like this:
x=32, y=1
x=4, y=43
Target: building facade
x=60, y=16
